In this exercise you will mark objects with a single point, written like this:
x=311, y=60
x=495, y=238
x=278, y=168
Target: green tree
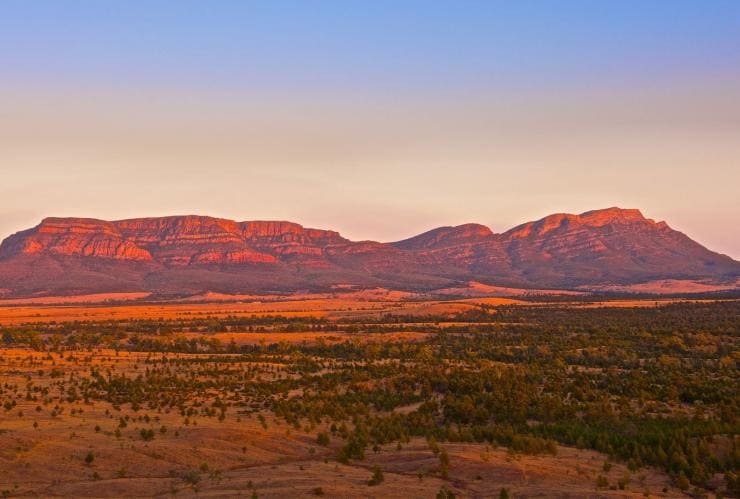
x=377, y=477
x=444, y=463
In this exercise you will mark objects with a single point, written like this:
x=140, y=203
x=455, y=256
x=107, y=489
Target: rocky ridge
x=200, y=253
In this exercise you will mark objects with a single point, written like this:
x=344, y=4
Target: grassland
x=358, y=397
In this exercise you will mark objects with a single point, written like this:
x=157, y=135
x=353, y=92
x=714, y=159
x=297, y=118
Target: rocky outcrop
x=74, y=237
x=596, y=218
x=198, y=253
x=175, y=241
x=288, y=233
x=232, y=257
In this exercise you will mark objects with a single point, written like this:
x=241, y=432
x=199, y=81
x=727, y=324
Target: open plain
x=366, y=396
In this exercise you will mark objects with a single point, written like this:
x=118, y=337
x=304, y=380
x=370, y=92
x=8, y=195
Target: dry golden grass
x=672, y=286
x=309, y=338
x=291, y=308
x=84, y=299
x=494, y=301
x=336, y=309
x=642, y=303
x=477, y=289
x=18, y=314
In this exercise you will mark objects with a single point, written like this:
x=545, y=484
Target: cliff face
x=561, y=250
x=80, y=237
x=181, y=241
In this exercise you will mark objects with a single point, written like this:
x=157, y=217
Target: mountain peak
x=611, y=215
x=593, y=218
x=446, y=236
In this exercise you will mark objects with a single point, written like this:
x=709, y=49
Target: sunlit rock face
x=81, y=237
x=180, y=240
x=199, y=253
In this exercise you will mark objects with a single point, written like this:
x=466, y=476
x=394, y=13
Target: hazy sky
x=380, y=119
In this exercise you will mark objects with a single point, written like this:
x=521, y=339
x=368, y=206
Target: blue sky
x=345, y=44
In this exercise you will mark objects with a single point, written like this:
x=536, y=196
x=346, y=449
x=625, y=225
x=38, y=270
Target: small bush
x=377, y=477
x=602, y=482
x=322, y=439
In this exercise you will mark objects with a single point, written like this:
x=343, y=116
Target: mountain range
x=180, y=255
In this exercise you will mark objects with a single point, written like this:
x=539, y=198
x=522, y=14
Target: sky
x=380, y=119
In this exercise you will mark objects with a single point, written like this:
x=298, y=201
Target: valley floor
x=476, y=397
